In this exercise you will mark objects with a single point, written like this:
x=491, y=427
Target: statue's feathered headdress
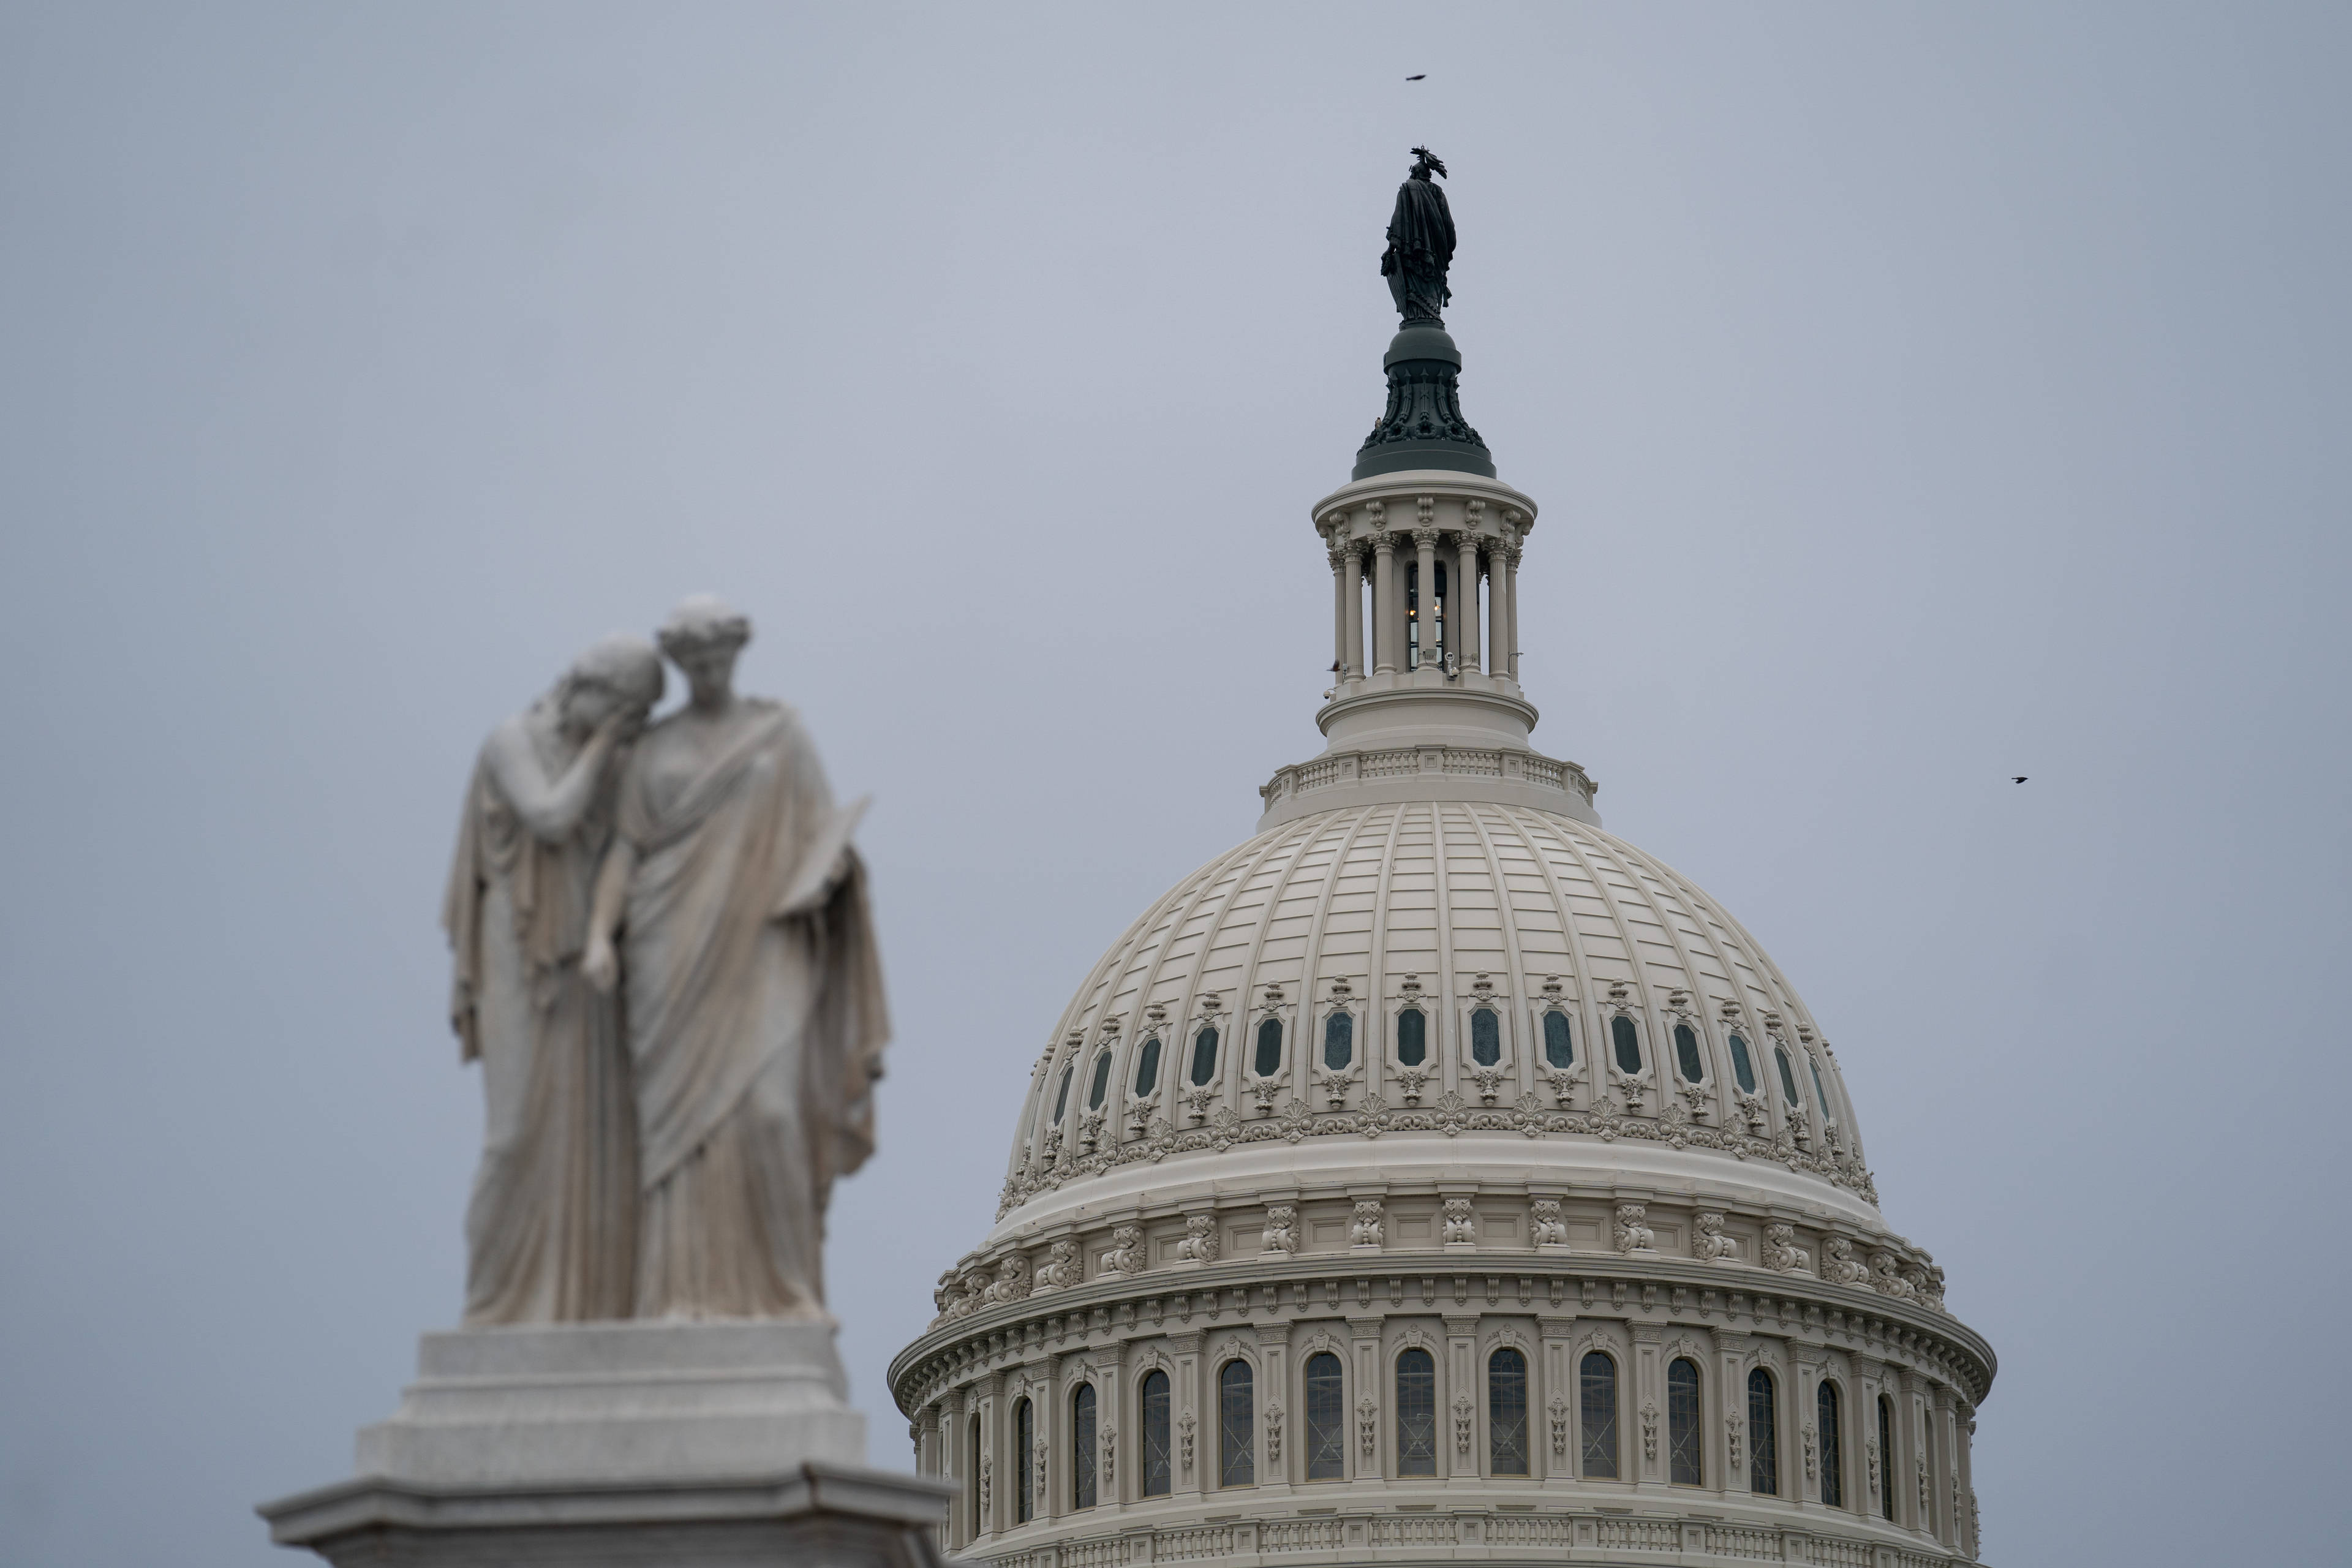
x=1430, y=160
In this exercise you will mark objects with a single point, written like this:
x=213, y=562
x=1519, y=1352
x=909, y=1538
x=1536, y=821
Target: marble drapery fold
x=754, y=1029
x=550, y=1226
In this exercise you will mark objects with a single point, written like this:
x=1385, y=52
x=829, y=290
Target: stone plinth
x=624, y=1446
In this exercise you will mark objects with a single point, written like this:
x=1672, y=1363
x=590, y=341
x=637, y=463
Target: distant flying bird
x=2019, y=779
x=1423, y=74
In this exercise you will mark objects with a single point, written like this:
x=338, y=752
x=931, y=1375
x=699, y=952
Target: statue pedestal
x=719, y=1445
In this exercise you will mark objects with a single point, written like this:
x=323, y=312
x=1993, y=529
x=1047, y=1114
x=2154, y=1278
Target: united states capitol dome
x=1435, y=1174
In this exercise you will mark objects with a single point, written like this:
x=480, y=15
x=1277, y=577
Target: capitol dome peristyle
x=1436, y=1175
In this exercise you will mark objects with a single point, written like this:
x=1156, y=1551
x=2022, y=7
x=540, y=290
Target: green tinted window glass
x=1146, y=1067
x=1629, y=1043
x=1686, y=1053
x=1204, y=1056
x=1787, y=1078
x=1486, y=1037
x=1741, y=1068
x=1062, y=1096
x=1269, y=1048
x=1560, y=1048
x=1339, y=1041
x=1412, y=1038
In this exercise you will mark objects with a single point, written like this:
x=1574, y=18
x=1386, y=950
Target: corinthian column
x=1387, y=621
x=1506, y=615
x=1338, y=553
x=1425, y=542
x=1351, y=634
x=1465, y=608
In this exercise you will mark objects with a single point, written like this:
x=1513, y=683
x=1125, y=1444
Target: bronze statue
x=1421, y=243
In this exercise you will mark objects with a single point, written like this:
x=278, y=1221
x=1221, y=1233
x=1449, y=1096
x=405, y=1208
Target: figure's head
x=703, y=638
x=618, y=674
x=1426, y=163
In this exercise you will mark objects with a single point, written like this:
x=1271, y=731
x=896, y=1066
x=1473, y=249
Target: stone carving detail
x=1365, y=1228
x=1460, y=1227
x=1839, y=1265
x=1633, y=1234
x=1782, y=1253
x=1650, y=1430
x=1281, y=1228
x=1870, y=1451
x=1488, y=1081
x=1464, y=1419
x=1184, y=1424
x=971, y=1286
x=1926, y=1282
x=1924, y=1502
x=1367, y=1426
x=1811, y=1440
x=1887, y=1282
x=1561, y=1083
x=987, y=1477
x=1125, y=1254
x=1558, y=1412
x=1109, y=1460
x=1274, y=1434
x=1731, y=1436
x=1335, y=1085
x=1011, y=1281
x=1545, y=1227
x=1060, y=1269
x=1199, y=1243
x=1038, y=1450
x=1708, y=1244
x=1199, y=1102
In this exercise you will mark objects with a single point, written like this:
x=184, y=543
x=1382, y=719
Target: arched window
x=1787, y=1078
x=1147, y=1067
x=1507, y=1413
x=1025, y=1478
x=1628, y=1042
x=1560, y=1047
x=1412, y=1038
x=1269, y=1048
x=1832, y=1446
x=1741, y=1068
x=1062, y=1097
x=1101, y=1084
x=1763, y=1436
x=1686, y=1053
x=1486, y=1037
x=1416, y=1414
x=1157, y=1470
x=1684, y=1464
x=1820, y=1089
x=1597, y=1384
x=1339, y=1041
x=1204, y=1056
x=1082, y=1447
x=1885, y=1456
x=1327, y=1419
x=1236, y=1426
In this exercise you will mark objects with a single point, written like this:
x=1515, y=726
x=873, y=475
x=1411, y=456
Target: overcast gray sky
x=1916, y=397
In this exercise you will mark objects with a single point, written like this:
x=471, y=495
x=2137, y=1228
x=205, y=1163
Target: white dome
x=1451, y=909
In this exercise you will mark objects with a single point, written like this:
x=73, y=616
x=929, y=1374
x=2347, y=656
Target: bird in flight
x=2019, y=779
x=1417, y=78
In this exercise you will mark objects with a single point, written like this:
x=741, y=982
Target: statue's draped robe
x=550, y=1232
x=754, y=1034
x=1421, y=248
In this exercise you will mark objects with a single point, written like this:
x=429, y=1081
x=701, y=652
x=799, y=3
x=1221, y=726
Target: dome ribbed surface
x=1452, y=907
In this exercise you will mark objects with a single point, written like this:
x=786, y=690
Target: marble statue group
x=664, y=964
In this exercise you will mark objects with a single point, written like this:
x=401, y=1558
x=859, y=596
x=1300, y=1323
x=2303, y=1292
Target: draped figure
x=550, y=1228
x=1420, y=242
x=732, y=915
